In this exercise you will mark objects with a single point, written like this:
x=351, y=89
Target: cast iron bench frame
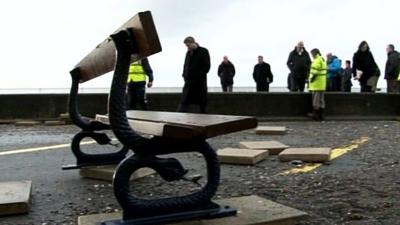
x=134, y=40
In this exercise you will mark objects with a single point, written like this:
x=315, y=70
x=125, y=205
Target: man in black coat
x=226, y=72
x=195, y=69
x=262, y=75
x=299, y=63
x=392, y=69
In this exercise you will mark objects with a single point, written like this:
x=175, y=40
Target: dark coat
x=365, y=62
x=262, y=74
x=299, y=65
x=392, y=68
x=226, y=72
x=195, y=69
x=147, y=69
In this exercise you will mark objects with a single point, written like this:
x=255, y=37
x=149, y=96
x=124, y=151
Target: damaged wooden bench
x=169, y=133
x=184, y=126
x=99, y=62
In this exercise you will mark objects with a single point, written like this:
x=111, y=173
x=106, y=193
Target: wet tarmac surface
x=360, y=187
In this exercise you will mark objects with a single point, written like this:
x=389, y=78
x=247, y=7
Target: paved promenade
x=360, y=186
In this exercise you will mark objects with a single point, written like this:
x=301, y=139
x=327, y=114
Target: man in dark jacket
x=347, y=74
x=299, y=62
x=262, y=75
x=195, y=69
x=226, y=72
x=392, y=69
x=365, y=68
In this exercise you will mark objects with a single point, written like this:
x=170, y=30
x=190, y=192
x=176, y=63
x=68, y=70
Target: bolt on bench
x=168, y=133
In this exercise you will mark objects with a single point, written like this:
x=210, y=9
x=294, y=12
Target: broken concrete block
x=306, y=154
x=269, y=130
x=15, y=197
x=251, y=210
x=274, y=147
x=106, y=172
x=65, y=117
x=54, y=123
x=7, y=121
x=241, y=156
x=26, y=123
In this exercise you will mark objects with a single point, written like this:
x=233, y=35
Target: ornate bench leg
x=83, y=159
x=88, y=130
x=160, y=211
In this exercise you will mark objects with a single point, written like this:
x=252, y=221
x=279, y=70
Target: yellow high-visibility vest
x=318, y=74
x=136, y=73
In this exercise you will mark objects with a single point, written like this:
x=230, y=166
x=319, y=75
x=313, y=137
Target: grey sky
x=43, y=39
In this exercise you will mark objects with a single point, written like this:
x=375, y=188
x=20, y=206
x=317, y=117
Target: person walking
x=317, y=84
x=334, y=69
x=195, y=69
x=392, y=69
x=299, y=65
x=262, y=75
x=226, y=72
x=365, y=69
x=137, y=83
x=347, y=74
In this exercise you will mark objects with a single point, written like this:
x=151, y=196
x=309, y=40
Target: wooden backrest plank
x=102, y=59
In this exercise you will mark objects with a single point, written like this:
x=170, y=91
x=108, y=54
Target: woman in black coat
x=197, y=64
x=364, y=67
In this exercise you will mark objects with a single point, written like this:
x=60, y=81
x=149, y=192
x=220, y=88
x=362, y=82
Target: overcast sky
x=42, y=40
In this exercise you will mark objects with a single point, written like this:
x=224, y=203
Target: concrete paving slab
x=306, y=154
x=270, y=130
x=7, y=121
x=241, y=156
x=15, y=197
x=106, y=173
x=26, y=123
x=54, y=123
x=274, y=147
x=252, y=210
x=65, y=117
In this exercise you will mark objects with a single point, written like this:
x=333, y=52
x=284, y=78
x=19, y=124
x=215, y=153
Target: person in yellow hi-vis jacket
x=317, y=84
x=138, y=71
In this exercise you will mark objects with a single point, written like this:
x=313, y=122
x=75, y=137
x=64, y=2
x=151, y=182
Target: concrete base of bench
x=241, y=156
x=252, y=210
x=267, y=130
x=106, y=173
x=15, y=197
x=274, y=147
x=306, y=154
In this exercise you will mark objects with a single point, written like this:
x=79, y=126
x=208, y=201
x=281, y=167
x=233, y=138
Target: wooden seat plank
x=185, y=125
x=204, y=125
x=102, y=59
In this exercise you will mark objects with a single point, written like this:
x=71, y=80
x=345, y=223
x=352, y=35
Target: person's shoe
x=313, y=115
x=320, y=114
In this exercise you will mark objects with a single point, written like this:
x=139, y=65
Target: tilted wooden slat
x=102, y=59
x=185, y=125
